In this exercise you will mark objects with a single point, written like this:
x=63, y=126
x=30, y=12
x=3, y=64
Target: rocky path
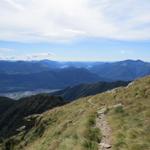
x=90, y=102
x=103, y=125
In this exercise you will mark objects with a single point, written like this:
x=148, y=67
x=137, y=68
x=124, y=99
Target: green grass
x=92, y=134
x=68, y=127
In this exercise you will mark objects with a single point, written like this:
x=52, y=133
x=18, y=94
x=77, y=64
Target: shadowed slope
x=82, y=90
x=5, y=104
x=13, y=117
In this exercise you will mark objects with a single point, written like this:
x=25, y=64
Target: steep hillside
x=5, y=104
x=126, y=111
x=82, y=90
x=12, y=119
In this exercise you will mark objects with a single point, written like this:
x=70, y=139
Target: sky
x=75, y=30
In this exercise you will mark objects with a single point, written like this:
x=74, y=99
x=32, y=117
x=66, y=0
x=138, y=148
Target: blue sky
x=79, y=50
x=75, y=30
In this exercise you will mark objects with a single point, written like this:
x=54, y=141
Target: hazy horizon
x=90, y=61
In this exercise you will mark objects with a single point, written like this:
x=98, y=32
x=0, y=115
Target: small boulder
x=104, y=145
x=102, y=111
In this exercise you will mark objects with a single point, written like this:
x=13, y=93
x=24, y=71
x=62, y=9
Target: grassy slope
x=14, y=116
x=71, y=127
x=130, y=123
x=63, y=128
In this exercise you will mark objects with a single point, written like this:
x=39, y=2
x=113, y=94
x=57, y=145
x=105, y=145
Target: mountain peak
x=132, y=61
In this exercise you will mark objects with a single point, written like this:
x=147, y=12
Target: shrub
x=119, y=110
x=91, y=121
x=94, y=135
x=90, y=145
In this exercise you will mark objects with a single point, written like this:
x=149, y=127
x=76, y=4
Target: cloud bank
x=32, y=56
x=65, y=20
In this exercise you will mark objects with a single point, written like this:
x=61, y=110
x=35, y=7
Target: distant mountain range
x=45, y=74
x=123, y=70
x=27, y=67
x=53, y=79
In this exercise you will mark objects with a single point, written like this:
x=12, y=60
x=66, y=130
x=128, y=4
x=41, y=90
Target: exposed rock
x=117, y=105
x=102, y=111
x=104, y=145
x=21, y=128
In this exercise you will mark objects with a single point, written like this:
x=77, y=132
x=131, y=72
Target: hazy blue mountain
x=22, y=67
x=124, y=70
x=54, y=79
x=78, y=64
x=46, y=74
x=121, y=70
x=51, y=64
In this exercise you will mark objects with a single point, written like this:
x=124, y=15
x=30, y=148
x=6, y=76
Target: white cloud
x=63, y=20
x=14, y=4
x=127, y=52
x=3, y=49
x=32, y=56
x=39, y=56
